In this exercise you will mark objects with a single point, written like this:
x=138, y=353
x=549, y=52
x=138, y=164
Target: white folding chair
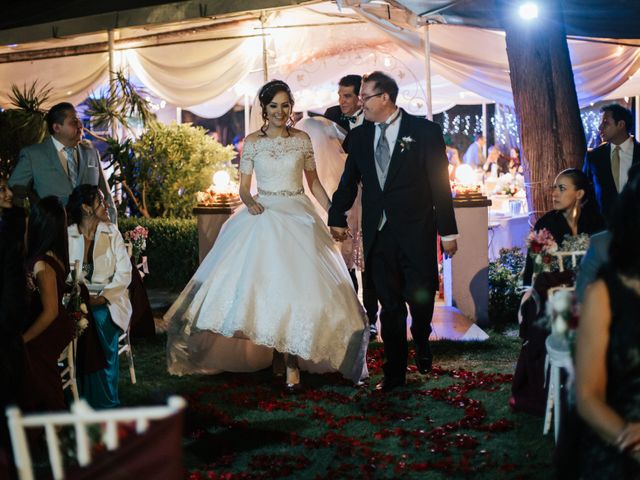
x=575, y=256
x=80, y=417
x=124, y=346
x=67, y=364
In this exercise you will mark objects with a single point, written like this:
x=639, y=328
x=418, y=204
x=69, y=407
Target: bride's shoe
x=293, y=373
x=277, y=364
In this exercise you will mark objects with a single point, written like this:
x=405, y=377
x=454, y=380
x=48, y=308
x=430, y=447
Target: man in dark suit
x=406, y=201
x=60, y=163
x=348, y=113
x=608, y=165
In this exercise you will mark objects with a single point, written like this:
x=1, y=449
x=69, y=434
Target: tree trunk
x=544, y=96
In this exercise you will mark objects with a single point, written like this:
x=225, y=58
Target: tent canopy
x=210, y=64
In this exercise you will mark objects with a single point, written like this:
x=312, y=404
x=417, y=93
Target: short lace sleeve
x=248, y=155
x=307, y=152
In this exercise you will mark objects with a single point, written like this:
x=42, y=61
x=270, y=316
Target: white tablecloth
x=507, y=232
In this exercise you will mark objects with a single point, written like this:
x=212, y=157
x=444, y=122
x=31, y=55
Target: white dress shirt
x=392, y=136
x=63, y=156
x=359, y=119
x=626, y=158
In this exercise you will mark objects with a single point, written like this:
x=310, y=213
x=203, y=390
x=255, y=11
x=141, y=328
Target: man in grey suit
x=60, y=163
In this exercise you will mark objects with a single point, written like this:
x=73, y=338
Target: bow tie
x=349, y=118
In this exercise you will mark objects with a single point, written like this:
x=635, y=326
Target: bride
x=274, y=289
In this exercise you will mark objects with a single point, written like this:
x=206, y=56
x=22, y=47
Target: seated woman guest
x=575, y=211
x=98, y=245
x=608, y=352
x=49, y=329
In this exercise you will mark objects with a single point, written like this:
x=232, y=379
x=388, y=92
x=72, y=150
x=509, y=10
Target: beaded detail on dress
x=281, y=193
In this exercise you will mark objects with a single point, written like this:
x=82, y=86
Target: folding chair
x=80, y=417
x=124, y=346
x=67, y=363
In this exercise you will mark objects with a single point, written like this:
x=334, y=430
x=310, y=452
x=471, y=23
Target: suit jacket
x=335, y=115
x=416, y=196
x=597, y=166
x=597, y=255
x=111, y=269
x=39, y=173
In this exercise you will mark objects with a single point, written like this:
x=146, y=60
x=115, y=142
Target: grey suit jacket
x=597, y=255
x=39, y=173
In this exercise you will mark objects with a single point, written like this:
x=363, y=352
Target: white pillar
x=178, y=115
x=112, y=75
x=427, y=69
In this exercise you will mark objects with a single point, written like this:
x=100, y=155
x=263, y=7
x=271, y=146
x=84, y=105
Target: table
x=506, y=231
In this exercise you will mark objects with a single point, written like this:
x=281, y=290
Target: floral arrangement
x=138, y=238
x=510, y=185
x=462, y=188
x=211, y=196
x=74, y=303
x=405, y=143
x=542, y=248
x=575, y=243
x=562, y=314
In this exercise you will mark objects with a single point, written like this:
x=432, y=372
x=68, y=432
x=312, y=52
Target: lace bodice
x=278, y=162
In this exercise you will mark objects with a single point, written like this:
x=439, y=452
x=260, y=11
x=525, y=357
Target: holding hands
x=339, y=234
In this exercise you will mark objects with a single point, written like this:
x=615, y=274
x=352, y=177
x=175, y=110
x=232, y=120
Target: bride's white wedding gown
x=274, y=280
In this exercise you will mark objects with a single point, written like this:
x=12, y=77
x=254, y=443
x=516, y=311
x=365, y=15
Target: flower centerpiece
x=542, y=248
x=74, y=303
x=510, y=185
x=221, y=193
x=138, y=238
x=465, y=182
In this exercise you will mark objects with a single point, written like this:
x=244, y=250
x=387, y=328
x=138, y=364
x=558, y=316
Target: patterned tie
x=382, y=154
x=72, y=166
x=615, y=166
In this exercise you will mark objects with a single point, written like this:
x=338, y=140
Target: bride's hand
x=255, y=208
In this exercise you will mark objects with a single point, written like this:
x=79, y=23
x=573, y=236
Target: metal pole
x=265, y=63
x=112, y=75
x=247, y=114
x=637, y=122
x=484, y=128
x=427, y=68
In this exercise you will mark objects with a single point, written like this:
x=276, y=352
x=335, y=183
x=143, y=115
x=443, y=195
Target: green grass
x=245, y=426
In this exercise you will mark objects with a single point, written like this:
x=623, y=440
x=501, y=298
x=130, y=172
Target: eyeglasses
x=368, y=97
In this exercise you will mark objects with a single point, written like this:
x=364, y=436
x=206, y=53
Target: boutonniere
x=405, y=143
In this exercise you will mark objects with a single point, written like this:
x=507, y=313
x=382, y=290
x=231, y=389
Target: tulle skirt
x=272, y=281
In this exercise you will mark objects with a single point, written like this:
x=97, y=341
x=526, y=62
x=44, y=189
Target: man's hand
x=449, y=248
x=339, y=234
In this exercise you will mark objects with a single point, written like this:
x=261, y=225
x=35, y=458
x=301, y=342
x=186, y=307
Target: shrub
x=170, y=163
x=172, y=249
x=505, y=285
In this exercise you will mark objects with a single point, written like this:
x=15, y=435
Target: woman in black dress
x=608, y=353
x=574, y=211
x=49, y=329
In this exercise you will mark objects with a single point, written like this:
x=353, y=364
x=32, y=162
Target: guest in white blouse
x=98, y=245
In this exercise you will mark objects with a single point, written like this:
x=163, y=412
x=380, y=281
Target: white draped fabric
x=469, y=65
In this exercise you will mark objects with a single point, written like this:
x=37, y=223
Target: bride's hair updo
x=265, y=96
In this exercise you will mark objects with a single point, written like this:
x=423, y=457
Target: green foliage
x=23, y=125
x=171, y=163
x=172, y=249
x=505, y=286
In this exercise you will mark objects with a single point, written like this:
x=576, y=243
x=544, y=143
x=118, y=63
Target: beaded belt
x=281, y=193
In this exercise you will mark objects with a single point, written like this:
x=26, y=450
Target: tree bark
x=544, y=96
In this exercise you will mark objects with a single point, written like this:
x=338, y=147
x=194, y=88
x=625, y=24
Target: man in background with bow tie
x=60, y=163
x=348, y=114
x=406, y=201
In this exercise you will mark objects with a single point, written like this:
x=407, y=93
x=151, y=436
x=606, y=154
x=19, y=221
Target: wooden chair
x=80, y=418
x=575, y=257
